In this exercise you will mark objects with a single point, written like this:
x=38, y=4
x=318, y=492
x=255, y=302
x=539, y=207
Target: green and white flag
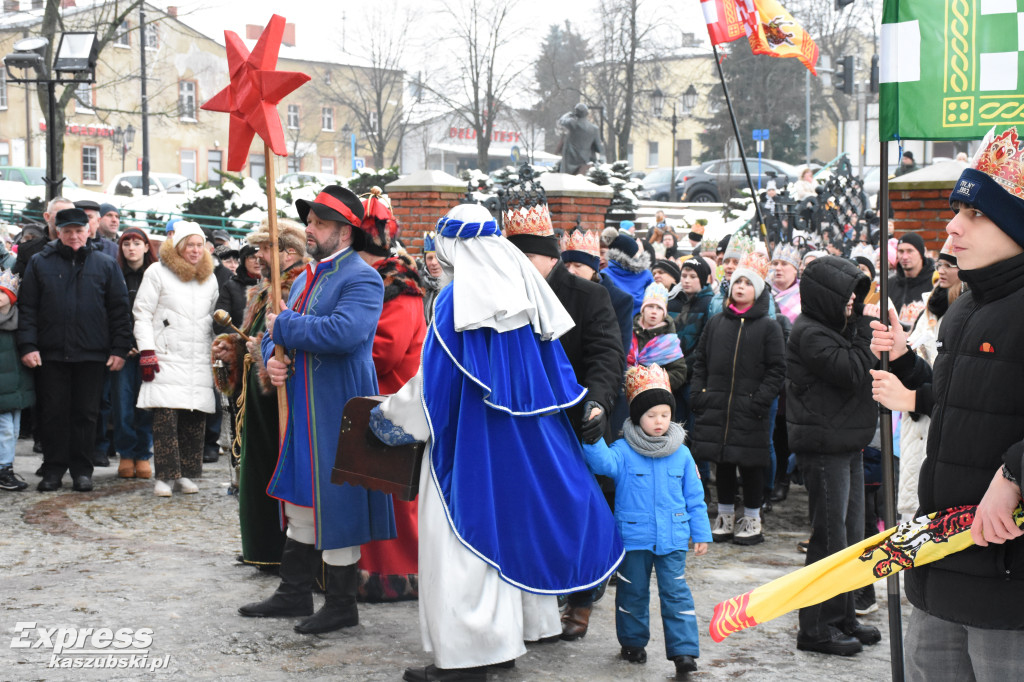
x=950, y=69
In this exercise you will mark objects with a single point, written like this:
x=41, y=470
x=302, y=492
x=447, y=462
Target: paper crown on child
x=429, y=246
x=994, y=184
x=582, y=246
x=655, y=294
x=9, y=284
x=640, y=379
x=756, y=261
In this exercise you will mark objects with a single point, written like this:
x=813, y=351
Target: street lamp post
x=123, y=139
x=76, y=57
x=689, y=101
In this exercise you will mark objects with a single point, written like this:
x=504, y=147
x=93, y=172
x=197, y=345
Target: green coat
x=17, y=387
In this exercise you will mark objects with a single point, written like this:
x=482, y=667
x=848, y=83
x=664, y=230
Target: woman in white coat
x=174, y=329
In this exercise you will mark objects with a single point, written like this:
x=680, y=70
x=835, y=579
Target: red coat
x=398, y=343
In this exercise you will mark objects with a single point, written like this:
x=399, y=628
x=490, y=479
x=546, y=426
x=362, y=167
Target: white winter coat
x=174, y=317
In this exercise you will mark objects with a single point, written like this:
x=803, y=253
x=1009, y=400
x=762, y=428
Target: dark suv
x=656, y=186
x=711, y=179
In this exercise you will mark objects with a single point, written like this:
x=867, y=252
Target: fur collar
x=256, y=295
x=400, y=277
x=185, y=271
x=638, y=263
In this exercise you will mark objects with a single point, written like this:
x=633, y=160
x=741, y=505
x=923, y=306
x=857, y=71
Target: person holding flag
x=967, y=621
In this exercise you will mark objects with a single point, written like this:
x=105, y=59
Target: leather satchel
x=364, y=460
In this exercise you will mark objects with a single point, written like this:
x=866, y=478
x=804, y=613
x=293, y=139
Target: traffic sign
x=359, y=163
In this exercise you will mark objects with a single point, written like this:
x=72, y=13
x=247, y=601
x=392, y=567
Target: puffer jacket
x=17, y=389
x=631, y=274
x=977, y=426
x=174, y=317
x=829, y=407
x=693, y=315
x=676, y=369
x=659, y=502
x=738, y=371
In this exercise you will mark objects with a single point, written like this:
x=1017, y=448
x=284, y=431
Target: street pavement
x=161, y=574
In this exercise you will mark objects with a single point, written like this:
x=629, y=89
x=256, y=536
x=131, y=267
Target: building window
x=123, y=39
x=90, y=164
x=327, y=164
x=327, y=118
x=294, y=164
x=373, y=121
x=152, y=37
x=293, y=116
x=3, y=88
x=327, y=78
x=83, y=98
x=5, y=154
x=187, y=100
x=188, y=164
x=652, y=154
x=214, y=159
x=629, y=155
x=257, y=166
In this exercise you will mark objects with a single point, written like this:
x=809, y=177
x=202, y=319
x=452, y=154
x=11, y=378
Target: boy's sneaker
x=10, y=480
x=634, y=654
x=748, y=531
x=684, y=665
x=722, y=532
x=864, y=600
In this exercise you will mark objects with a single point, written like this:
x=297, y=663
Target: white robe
x=469, y=616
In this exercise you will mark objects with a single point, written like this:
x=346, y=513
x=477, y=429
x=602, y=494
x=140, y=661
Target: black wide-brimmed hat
x=335, y=203
x=71, y=217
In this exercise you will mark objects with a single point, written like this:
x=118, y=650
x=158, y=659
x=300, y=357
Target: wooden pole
x=275, y=283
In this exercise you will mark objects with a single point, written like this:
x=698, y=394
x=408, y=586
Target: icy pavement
x=160, y=574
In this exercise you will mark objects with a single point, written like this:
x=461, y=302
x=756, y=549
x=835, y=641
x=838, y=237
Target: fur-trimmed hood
x=638, y=263
x=400, y=277
x=256, y=295
x=185, y=271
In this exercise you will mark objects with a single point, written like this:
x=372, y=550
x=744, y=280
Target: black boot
x=340, y=609
x=294, y=596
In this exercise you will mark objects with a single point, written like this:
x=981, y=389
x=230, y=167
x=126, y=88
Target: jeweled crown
x=1001, y=158
x=586, y=241
x=524, y=207
x=644, y=378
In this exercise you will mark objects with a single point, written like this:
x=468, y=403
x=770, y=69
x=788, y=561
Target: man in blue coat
x=327, y=329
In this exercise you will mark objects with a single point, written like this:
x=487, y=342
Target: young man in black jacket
x=968, y=614
x=73, y=325
x=831, y=417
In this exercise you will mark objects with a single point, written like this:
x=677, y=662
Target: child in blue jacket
x=659, y=507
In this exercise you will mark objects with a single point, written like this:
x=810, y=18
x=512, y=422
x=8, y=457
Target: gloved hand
x=148, y=365
x=592, y=429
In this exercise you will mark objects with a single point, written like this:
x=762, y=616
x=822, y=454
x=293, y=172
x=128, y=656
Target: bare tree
x=484, y=74
x=372, y=87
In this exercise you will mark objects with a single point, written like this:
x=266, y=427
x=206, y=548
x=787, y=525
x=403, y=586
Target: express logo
x=71, y=647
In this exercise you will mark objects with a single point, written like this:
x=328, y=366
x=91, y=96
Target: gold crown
x=586, y=241
x=756, y=261
x=535, y=220
x=641, y=378
x=1002, y=159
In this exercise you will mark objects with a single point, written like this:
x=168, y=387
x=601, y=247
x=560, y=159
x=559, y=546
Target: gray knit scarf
x=653, y=446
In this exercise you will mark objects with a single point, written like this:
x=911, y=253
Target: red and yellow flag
x=772, y=30
x=908, y=545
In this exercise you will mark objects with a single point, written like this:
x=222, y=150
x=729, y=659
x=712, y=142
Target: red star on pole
x=254, y=92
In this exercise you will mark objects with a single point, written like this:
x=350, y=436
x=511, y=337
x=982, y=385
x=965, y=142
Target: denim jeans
x=940, y=650
x=835, y=498
x=633, y=602
x=133, y=427
x=10, y=426
x=769, y=480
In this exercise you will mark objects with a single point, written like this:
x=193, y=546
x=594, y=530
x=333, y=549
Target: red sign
x=89, y=131
x=496, y=135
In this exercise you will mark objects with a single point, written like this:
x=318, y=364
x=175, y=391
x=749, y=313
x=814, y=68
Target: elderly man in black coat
x=594, y=349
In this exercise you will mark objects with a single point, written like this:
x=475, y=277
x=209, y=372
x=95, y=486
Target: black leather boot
x=294, y=596
x=340, y=609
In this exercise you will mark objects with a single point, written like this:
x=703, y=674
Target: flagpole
x=892, y=583
x=743, y=156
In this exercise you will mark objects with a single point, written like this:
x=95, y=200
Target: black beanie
x=914, y=239
x=541, y=245
x=861, y=260
x=625, y=244
x=701, y=267
x=648, y=399
x=668, y=266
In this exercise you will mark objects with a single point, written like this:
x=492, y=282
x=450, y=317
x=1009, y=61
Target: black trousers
x=69, y=403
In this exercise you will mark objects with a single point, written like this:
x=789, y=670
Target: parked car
x=707, y=182
x=655, y=183
x=159, y=183
x=22, y=183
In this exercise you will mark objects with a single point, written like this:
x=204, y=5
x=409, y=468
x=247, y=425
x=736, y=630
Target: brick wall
x=417, y=213
x=924, y=211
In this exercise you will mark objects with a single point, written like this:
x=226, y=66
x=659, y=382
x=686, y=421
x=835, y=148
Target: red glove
x=148, y=364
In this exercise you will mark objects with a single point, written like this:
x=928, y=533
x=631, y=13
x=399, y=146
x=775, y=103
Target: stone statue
x=581, y=143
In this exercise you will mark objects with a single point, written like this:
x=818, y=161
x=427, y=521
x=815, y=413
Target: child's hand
x=700, y=548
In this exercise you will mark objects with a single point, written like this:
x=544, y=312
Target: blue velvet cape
x=504, y=458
